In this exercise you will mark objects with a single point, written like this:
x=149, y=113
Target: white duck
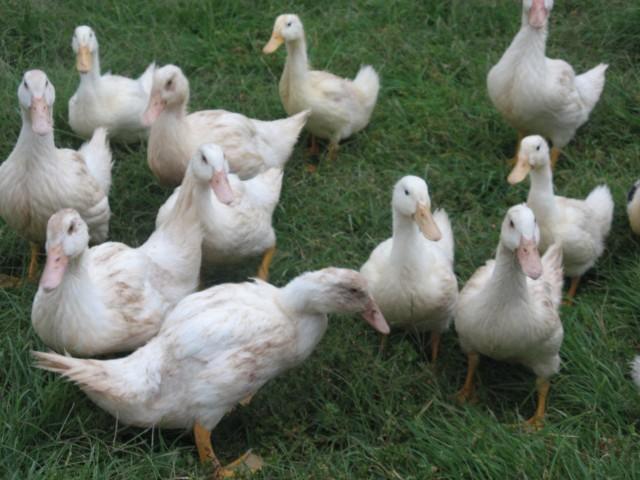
x=633, y=207
x=411, y=274
x=39, y=179
x=113, y=298
x=240, y=227
x=250, y=146
x=339, y=107
x=540, y=95
x=111, y=101
x=506, y=316
x=217, y=347
x=580, y=226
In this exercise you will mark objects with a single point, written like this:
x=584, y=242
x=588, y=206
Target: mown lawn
x=350, y=412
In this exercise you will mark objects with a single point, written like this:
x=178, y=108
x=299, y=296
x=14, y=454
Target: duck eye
x=25, y=84
x=538, y=148
x=71, y=229
x=169, y=83
x=203, y=158
x=288, y=23
x=406, y=192
x=511, y=224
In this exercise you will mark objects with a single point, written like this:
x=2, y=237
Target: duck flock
x=194, y=355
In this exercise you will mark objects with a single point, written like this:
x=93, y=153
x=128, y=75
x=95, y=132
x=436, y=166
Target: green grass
x=349, y=412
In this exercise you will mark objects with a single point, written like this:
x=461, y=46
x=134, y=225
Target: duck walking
x=580, y=227
x=540, y=95
x=250, y=146
x=39, y=179
x=216, y=348
x=109, y=101
x=339, y=106
x=411, y=274
x=236, y=222
x=113, y=298
x=508, y=309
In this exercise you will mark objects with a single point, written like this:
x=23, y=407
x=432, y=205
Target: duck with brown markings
x=250, y=146
x=113, y=298
x=216, y=348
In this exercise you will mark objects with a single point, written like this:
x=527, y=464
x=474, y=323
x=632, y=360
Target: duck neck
x=407, y=239
x=185, y=213
x=528, y=46
x=91, y=77
x=508, y=282
x=41, y=148
x=306, y=295
x=541, y=198
x=297, y=64
x=303, y=302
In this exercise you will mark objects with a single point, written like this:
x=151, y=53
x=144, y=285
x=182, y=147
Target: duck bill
x=529, y=258
x=221, y=187
x=83, y=60
x=54, y=269
x=520, y=171
x=426, y=223
x=374, y=317
x=538, y=14
x=274, y=43
x=154, y=109
x=40, y=116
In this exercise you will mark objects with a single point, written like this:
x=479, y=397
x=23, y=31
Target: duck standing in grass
x=633, y=207
x=540, y=95
x=39, y=179
x=579, y=226
x=109, y=101
x=215, y=348
x=236, y=222
x=339, y=107
x=113, y=298
x=508, y=309
x=250, y=146
x=411, y=274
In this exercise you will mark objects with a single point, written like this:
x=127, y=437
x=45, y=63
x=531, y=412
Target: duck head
x=533, y=155
x=336, y=290
x=67, y=238
x=536, y=12
x=411, y=199
x=287, y=28
x=209, y=165
x=170, y=90
x=85, y=46
x=36, y=96
x=520, y=234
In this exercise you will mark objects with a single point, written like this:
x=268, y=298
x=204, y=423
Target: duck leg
x=536, y=422
x=33, y=264
x=555, y=154
x=248, y=461
x=263, y=271
x=435, y=345
x=314, y=150
x=575, y=281
x=468, y=389
x=333, y=150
